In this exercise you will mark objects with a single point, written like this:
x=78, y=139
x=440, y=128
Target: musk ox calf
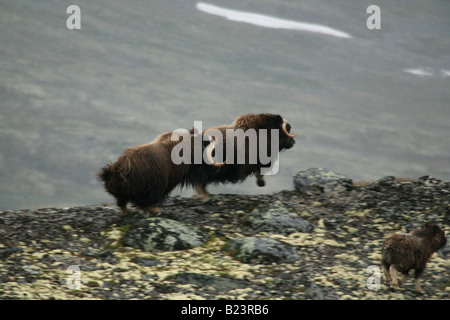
x=402, y=252
x=243, y=158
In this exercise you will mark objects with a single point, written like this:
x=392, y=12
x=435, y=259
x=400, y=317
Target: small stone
x=429, y=181
x=6, y=252
x=218, y=283
x=145, y=262
x=314, y=292
x=30, y=270
x=386, y=181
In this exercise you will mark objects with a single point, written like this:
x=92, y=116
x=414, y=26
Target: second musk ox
x=144, y=175
x=402, y=252
x=251, y=139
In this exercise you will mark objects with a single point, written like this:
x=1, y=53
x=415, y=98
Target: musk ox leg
x=393, y=272
x=260, y=180
x=202, y=193
x=122, y=204
x=417, y=273
x=387, y=277
x=417, y=286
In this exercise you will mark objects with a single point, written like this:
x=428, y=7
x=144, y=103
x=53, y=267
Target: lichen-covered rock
x=393, y=197
x=316, y=181
x=276, y=218
x=388, y=182
x=155, y=234
x=261, y=250
x=216, y=282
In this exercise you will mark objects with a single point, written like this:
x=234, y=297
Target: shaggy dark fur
x=202, y=175
x=144, y=175
x=406, y=251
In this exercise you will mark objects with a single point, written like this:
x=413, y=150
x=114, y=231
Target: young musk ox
x=227, y=172
x=402, y=252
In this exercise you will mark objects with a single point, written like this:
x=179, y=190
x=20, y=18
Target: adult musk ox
x=252, y=136
x=402, y=252
x=144, y=175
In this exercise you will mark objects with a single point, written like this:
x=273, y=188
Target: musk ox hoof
x=154, y=210
x=418, y=288
x=392, y=289
x=202, y=193
x=394, y=286
x=260, y=182
x=125, y=211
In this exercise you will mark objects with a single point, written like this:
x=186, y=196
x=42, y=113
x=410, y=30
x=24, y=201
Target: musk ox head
x=252, y=134
x=432, y=233
x=254, y=141
x=268, y=121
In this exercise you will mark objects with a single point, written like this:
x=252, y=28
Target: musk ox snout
x=289, y=144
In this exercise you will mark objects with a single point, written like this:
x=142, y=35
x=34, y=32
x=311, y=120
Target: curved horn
x=209, y=150
x=285, y=130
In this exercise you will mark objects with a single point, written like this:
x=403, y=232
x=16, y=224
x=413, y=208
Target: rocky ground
x=319, y=241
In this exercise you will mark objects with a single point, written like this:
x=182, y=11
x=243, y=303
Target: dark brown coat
x=144, y=175
x=405, y=251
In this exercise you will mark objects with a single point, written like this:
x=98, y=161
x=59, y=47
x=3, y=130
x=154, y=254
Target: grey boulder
x=276, y=218
x=160, y=234
x=257, y=250
x=316, y=181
